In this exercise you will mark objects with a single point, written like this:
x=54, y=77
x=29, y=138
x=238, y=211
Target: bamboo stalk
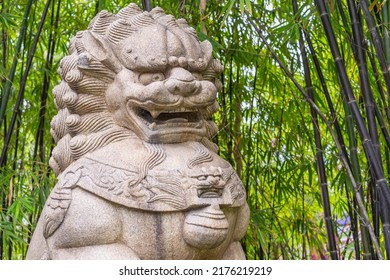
x=20, y=96
x=227, y=128
x=353, y=152
x=327, y=94
x=386, y=30
x=13, y=189
x=3, y=81
x=249, y=145
x=344, y=161
x=354, y=220
x=12, y=71
x=147, y=5
x=319, y=155
x=344, y=19
x=237, y=127
x=376, y=39
x=363, y=75
x=355, y=165
x=39, y=138
x=352, y=159
x=374, y=193
x=4, y=38
x=374, y=161
x=379, y=85
x=372, y=111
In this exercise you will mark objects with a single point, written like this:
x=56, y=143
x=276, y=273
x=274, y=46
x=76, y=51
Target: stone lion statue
x=138, y=177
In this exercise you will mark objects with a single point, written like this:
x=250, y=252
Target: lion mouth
x=210, y=192
x=156, y=123
x=173, y=118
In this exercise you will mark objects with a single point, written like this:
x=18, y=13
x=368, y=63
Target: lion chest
x=159, y=205
x=93, y=221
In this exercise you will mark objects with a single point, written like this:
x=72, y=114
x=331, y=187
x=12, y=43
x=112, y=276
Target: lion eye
x=147, y=78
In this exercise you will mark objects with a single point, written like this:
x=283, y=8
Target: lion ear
x=101, y=50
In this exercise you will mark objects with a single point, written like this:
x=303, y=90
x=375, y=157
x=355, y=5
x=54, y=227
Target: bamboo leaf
x=242, y=6
x=373, y=4
x=8, y=20
x=226, y=10
x=248, y=6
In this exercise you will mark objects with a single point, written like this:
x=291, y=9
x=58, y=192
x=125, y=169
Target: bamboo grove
x=304, y=116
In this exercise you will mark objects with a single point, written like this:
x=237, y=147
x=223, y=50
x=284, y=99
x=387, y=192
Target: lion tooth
x=155, y=113
x=152, y=126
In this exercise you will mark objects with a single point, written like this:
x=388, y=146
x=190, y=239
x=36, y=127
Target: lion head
x=133, y=74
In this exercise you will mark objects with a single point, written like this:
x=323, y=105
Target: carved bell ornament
x=138, y=177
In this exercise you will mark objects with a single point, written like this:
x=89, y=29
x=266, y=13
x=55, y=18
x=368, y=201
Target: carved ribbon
x=159, y=190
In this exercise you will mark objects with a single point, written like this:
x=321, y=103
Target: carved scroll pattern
x=59, y=201
x=134, y=189
x=159, y=190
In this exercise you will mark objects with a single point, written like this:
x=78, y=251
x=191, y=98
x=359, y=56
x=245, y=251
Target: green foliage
x=265, y=124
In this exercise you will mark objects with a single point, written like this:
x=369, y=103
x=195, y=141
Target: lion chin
x=138, y=177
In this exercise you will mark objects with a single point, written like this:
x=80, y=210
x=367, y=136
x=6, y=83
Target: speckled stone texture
x=138, y=177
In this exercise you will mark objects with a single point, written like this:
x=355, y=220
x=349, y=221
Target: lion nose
x=213, y=180
x=181, y=82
